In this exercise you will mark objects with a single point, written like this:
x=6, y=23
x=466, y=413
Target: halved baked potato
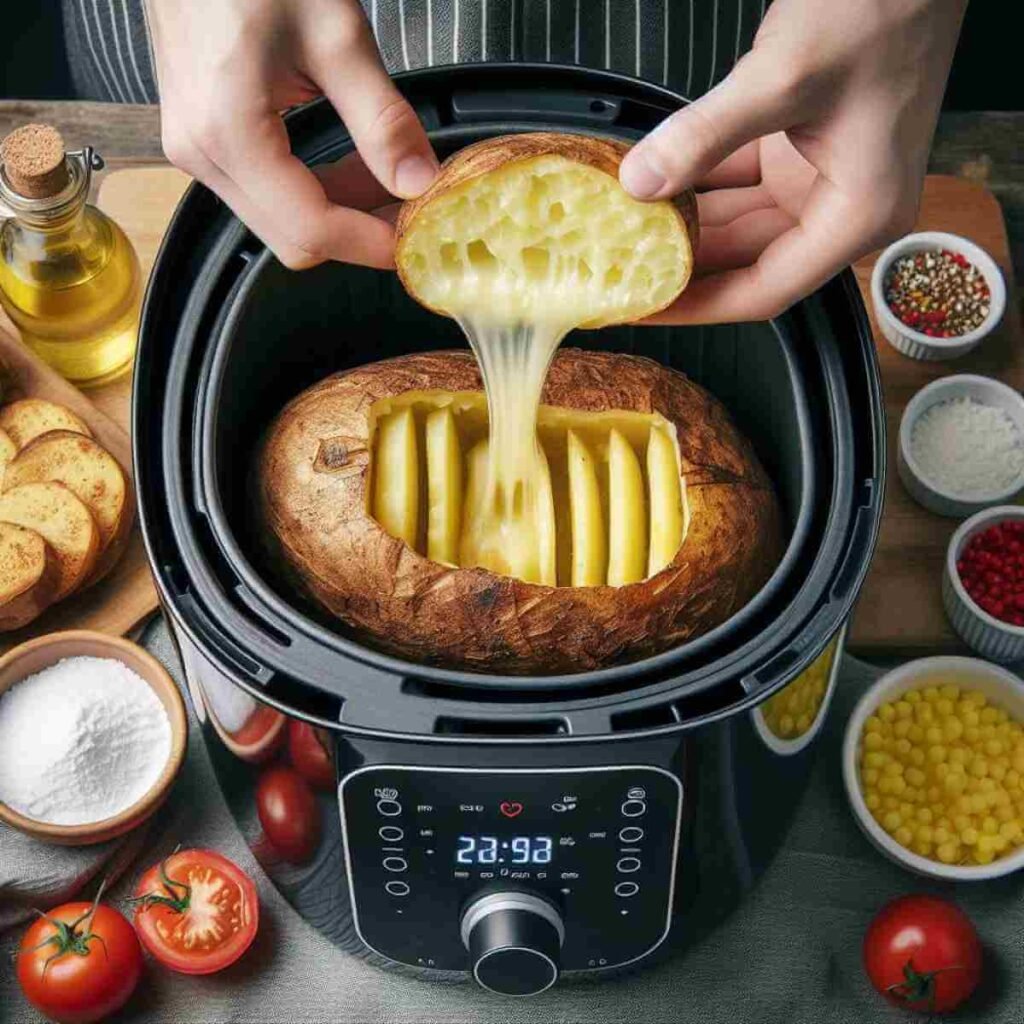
x=534, y=226
x=698, y=479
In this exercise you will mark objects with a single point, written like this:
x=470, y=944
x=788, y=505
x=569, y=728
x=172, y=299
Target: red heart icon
x=511, y=808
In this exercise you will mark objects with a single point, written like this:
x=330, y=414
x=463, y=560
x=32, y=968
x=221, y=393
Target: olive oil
x=69, y=277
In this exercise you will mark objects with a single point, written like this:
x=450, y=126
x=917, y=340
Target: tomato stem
x=919, y=986
x=177, y=902
x=68, y=938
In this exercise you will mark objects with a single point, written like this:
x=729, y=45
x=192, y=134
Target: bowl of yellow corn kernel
x=791, y=717
x=933, y=763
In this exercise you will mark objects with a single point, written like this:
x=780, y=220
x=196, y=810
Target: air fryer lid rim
x=229, y=237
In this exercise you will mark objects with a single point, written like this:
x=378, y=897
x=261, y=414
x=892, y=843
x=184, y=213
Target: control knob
x=514, y=939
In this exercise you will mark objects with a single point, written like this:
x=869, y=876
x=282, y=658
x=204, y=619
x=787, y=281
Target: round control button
x=391, y=833
x=630, y=809
x=389, y=808
x=627, y=865
x=397, y=888
x=626, y=889
x=400, y=864
x=631, y=834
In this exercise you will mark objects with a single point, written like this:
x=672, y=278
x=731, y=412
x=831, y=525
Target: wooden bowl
x=35, y=655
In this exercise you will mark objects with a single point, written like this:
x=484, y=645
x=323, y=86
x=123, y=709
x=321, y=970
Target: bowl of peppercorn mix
x=933, y=765
x=936, y=295
x=983, y=583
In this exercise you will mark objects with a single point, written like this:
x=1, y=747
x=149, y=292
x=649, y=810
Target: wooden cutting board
x=900, y=611
x=126, y=596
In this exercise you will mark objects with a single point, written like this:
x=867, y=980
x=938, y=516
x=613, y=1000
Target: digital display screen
x=498, y=850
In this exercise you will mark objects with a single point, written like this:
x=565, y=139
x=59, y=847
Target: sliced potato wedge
x=29, y=576
x=444, y=487
x=27, y=418
x=666, y=501
x=63, y=521
x=627, y=514
x=589, y=544
x=396, y=475
x=546, y=534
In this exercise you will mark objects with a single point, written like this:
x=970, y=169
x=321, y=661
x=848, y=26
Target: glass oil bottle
x=69, y=277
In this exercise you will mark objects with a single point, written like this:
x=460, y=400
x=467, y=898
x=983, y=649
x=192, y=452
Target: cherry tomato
x=288, y=813
x=923, y=954
x=309, y=751
x=196, y=912
x=79, y=963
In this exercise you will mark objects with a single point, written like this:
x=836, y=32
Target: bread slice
x=91, y=473
x=29, y=576
x=64, y=522
x=8, y=449
x=27, y=418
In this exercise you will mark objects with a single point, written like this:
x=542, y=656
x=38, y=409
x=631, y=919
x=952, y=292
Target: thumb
x=686, y=146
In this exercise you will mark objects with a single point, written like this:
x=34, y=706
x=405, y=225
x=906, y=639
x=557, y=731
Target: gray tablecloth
x=791, y=954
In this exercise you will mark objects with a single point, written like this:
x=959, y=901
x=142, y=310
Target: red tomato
x=196, y=912
x=309, y=750
x=79, y=963
x=288, y=813
x=923, y=954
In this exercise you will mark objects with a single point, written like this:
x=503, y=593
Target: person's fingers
x=741, y=242
x=723, y=205
x=285, y=200
x=685, y=147
x=738, y=170
x=376, y=235
x=349, y=181
x=834, y=231
x=347, y=67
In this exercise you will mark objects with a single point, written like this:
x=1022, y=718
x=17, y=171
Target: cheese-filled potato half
x=659, y=523
x=524, y=227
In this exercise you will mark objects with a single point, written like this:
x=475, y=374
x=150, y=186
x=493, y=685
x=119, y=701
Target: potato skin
x=488, y=155
x=312, y=477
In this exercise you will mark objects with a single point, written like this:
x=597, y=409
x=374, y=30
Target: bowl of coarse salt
x=92, y=735
x=961, y=445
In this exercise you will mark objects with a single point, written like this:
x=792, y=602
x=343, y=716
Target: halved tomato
x=196, y=912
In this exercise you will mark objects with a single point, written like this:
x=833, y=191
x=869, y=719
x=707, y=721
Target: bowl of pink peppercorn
x=936, y=295
x=983, y=583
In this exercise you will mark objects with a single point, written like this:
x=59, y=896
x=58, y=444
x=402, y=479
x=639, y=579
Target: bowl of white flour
x=92, y=734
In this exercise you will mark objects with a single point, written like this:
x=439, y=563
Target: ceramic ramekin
x=984, y=633
x=926, y=492
x=35, y=655
x=914, y=343
x=998, y=685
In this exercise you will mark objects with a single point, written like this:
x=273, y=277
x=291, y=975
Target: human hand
x=226, y=68
x=812, y=152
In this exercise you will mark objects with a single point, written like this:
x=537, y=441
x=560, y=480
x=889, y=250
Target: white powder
x=80, y=741
x=967, y=448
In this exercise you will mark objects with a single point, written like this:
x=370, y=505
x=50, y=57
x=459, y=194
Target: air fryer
x=506, y=828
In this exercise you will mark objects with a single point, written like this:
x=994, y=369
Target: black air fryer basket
x=229, y=336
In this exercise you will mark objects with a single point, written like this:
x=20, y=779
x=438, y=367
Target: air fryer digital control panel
x=600, y=844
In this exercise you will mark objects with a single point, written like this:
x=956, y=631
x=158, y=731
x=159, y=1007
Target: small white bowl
x=998, y=685
x=916, y=344
x=925, y=491
x=984, y=633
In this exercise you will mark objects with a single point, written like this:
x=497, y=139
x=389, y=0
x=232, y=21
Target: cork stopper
x=34, y=161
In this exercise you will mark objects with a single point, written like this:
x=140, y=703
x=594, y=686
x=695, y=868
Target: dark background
x=987, y=73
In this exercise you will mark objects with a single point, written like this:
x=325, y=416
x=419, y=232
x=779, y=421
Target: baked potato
x=688, y=483
x=521, y=227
